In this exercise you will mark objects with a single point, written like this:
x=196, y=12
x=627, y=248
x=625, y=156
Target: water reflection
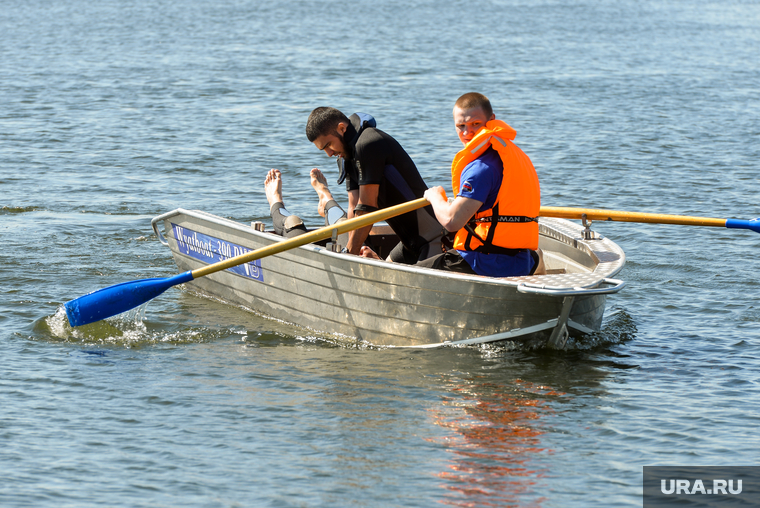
x=495, y=435
x=503, y=405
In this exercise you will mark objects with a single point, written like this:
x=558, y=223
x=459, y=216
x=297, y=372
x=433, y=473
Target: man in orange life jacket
x=495, y=211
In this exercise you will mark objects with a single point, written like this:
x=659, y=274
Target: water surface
x=116, y=112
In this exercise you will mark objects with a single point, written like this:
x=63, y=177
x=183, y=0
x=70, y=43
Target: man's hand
x=436, y=194
x=366, y=195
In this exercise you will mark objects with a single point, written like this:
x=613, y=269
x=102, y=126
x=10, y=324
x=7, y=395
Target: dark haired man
x=378, y=174
x=495, y=212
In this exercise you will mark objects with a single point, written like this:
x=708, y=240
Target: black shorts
x=450, y=261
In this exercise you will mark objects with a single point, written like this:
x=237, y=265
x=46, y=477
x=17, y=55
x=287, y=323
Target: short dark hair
x=475, y=100
x=323, y=121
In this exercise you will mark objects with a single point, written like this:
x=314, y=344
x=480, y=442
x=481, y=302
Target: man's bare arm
x=452, y=216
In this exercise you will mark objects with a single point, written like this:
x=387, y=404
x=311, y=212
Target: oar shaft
x=615, y=215
x=313, y=236
x=122, y=297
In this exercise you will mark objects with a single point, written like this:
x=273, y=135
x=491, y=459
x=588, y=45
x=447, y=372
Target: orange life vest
x=512, y=222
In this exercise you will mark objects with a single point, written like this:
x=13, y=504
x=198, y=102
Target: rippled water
x=115, y=112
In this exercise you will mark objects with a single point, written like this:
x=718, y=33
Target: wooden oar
x=122, y=297
x=652, y=218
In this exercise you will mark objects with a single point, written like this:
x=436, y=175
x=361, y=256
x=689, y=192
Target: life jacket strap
x=486, y=245
x=507, y=218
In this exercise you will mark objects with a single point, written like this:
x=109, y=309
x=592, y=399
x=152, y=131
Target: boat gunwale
x=550, y=228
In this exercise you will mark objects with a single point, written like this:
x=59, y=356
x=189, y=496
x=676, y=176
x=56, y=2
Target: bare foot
x=366, y=252
x=273, y=186
x=319, y=182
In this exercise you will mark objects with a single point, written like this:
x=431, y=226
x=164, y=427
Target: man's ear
x=341, y=128
x=493, y=117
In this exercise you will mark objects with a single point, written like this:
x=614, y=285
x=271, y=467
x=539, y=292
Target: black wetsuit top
x=374, y=157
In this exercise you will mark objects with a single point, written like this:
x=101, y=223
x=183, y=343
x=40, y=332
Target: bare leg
x=319, y=182
x=328, y=207
x=285, y=223
x=273, y=186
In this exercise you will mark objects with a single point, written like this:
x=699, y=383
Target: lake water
x=114, y=112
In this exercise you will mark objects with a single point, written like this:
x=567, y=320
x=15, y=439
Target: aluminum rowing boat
x=390, y=304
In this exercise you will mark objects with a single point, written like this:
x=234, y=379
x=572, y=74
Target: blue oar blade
x=120, y=298
x=753, y=224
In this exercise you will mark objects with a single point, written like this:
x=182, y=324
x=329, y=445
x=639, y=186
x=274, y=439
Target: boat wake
x=128, y=329
x=619, y=327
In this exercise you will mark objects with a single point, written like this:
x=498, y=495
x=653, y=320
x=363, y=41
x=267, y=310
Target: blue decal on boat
x=212, y=250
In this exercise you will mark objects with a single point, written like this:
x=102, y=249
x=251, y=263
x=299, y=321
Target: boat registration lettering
x=210, y=250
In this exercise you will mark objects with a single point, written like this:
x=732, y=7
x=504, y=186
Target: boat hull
x=379, y=303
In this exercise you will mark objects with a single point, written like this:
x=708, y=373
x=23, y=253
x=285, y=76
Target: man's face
x=333, y=144
x=469, y=121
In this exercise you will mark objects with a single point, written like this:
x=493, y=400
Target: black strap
x=361, y=207
x=470, y=234
x=492, y=229
x=507, y=218
x=341, y=170
x=495, y=249
x=487, y=246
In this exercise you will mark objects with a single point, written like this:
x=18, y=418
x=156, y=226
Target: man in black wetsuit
x=378, y=174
